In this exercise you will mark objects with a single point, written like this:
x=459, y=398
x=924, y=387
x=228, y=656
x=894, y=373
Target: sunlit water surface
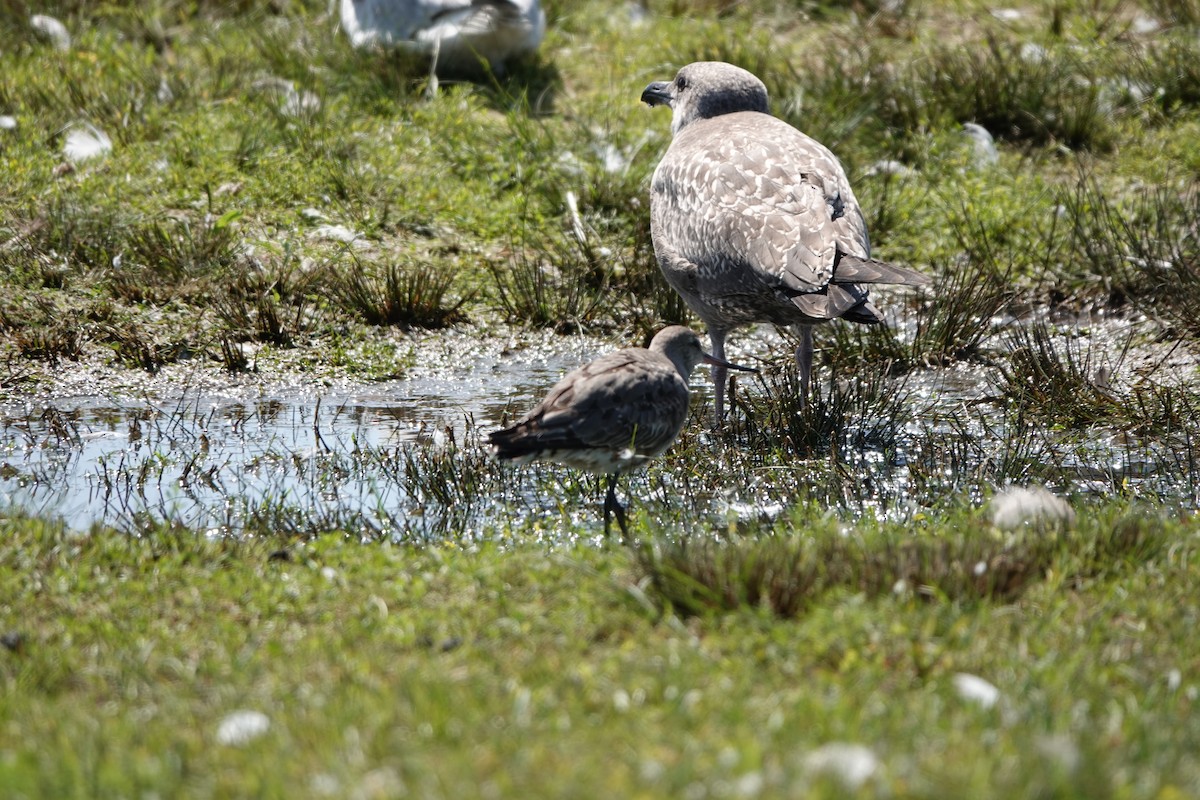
x=385, y=457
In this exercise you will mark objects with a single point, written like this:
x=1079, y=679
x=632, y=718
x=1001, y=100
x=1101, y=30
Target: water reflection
x=210, y=461
x=405, y=457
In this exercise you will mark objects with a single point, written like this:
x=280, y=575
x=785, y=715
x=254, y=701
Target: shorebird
x=752, y=220
x=613, y=414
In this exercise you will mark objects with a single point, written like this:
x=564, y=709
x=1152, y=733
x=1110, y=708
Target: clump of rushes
x=1184, y=13
x=133, y=346
x=411, y=295
x=962, y=451
x=444, y=485
x=1055, y=380
x=953, y=320
x=169, y=259
x=549, y=281
x=585, y=234
x=65, y=234
x=1020, y=92
x=40, y=330
x=865, y=411
x=232, y=357
x=1146, y=251
x=1163, y=77
x=269, y=299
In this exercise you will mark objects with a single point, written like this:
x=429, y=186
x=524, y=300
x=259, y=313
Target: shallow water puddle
x=212, y=460
x=405, y=457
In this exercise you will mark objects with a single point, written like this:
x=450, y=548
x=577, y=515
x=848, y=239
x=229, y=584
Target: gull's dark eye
x=680, y=82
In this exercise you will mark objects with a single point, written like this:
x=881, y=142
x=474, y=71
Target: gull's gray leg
x=804, y=358
x=719, y=374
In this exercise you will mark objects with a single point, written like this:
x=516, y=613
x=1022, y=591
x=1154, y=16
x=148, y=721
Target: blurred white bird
x=457, y=34
x=52, y=31
x=984, y=152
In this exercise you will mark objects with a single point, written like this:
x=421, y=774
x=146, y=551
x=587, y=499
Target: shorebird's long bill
x=720, y=362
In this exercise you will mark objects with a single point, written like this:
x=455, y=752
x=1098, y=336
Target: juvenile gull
x=457, y=34
x=613, y=414
x=752, y=220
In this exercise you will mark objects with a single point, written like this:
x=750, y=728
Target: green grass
x=521, y=671
x=240, y=130
x=471, y=639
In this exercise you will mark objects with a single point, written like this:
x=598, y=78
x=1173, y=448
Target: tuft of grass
x=865, y=410
x=42, y=331
x=787, y=574
x=550, y=280
x=133, y=347
x=1058, y=381
x=1145, y=251
x=1020, y=93
x=410, y=295
x=269, y=299
x=233, y=357
x=161, y=260
x=1184, y=13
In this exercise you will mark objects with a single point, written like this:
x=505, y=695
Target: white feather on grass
x=85, y=141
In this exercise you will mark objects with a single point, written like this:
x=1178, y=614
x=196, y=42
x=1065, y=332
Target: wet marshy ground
x=405, y=457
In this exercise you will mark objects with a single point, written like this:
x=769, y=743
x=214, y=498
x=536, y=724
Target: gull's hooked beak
x=720, y=362
x=657, y=94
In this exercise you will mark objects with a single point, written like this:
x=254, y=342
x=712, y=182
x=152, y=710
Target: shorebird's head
x=707, y=89
x=682, y=346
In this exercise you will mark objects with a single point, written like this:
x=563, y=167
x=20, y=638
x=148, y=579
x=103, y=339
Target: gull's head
x=707, y=89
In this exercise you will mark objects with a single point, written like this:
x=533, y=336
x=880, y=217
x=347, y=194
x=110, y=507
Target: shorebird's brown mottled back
x=614, y=414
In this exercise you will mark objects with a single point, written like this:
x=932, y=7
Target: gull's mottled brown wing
x=747, y=197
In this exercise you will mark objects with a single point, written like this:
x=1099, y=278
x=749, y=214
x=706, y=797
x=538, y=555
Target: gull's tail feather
x=852, y=269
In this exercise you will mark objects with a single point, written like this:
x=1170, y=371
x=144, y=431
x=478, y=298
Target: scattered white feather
x=1061, y=750
x=164, y=94
x=615, y=160
x=86, y=141
x=852, y=764
x=1007, y=14
x=577, y=228
x=1033, y=53
x=759, y=511
x=295, y=104
x=976, y=690
x=636, y=14
x=8, y=123
x=242, y=727
x=1033, y=506
x=52, y=31
x=335, y=233
x=889, y=166
x=1144, y=24
x=749, y=785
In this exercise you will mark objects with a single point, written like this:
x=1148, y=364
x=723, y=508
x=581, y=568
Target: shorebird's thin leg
x=804, y=358
x=611, y=506
x=719, y=374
